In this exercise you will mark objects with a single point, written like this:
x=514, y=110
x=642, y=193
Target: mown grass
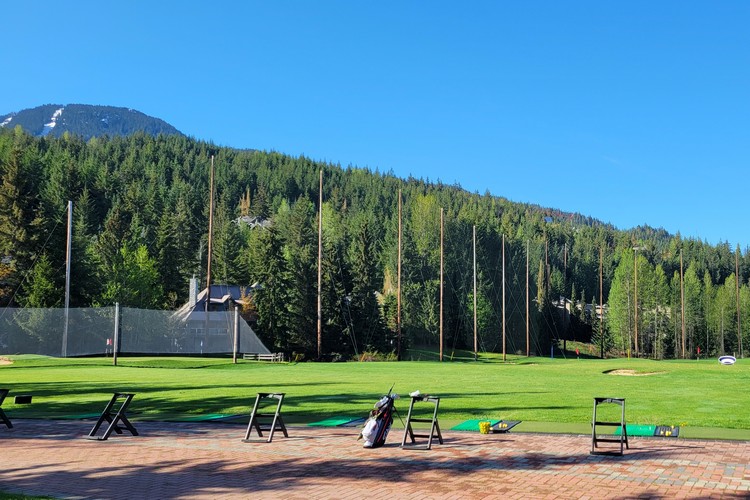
x=547, y=391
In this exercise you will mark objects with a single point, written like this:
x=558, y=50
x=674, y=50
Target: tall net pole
x=441, y=284
x=68, y=250
x=503, y=297
x=398, y=291
x=737, y=283
x=474, y=246
x=320, y=268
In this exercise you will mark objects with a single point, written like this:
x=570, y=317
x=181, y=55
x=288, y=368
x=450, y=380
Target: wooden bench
x=255, y=356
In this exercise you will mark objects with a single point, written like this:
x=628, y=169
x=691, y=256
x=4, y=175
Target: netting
x=91, y=331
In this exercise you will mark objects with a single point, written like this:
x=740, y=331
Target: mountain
x=85, y=120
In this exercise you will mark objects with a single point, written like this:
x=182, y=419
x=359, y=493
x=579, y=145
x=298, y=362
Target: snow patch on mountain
x=49, y=126
x=7, y=121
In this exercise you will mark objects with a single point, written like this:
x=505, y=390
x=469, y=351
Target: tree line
x=140, y=225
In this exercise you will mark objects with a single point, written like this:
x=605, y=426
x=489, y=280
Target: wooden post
x=68, y=248
x=210, y=233
x=682, y=302
x=503, y=297
x=528, y=337
x=210, y=246
x=474, y=240
x=737, y=283
x=635, y=298
x=320, y=268
x=441, y=284
x=398, y=290
x=601, y=303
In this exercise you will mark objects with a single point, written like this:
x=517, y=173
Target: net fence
x=92, y=331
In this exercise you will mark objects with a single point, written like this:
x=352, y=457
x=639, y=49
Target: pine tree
x=41, y=289
x=20, y=221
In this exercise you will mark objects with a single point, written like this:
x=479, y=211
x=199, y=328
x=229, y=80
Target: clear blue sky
x=632, y=112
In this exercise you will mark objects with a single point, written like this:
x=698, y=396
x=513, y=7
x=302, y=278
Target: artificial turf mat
x=650, y=430
x=207, y=416
x=336, y=421
x=473, y=425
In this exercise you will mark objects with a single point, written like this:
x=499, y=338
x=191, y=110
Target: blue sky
x=631, y=112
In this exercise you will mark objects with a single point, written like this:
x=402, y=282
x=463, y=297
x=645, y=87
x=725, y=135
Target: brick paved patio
x=208, y=460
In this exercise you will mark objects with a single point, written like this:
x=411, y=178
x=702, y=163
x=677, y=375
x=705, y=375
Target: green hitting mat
x=206, y=416
x=473, y=425
x=650, y=430
x=338, y=422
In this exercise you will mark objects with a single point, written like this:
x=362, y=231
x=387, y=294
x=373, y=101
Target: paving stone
x=209, y=460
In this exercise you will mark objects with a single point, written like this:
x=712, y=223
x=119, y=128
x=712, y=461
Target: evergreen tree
x=20, y=220
x=40, y=289
x=268, y=270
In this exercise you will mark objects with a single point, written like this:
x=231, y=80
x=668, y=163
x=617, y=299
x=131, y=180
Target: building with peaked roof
x=212, y=329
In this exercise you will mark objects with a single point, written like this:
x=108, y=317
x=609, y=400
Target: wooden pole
x=68, y=249
x=528, y=336
x=737, y=283
x=474, y=246
x=503, y=297
x=320, y=266
x=398, y=291
x=635, y=297
x=565, y=269
x=601, y=303
x=210, y=246
x=546, y=264
x=210, y=233
x=441, y=284
x=682, y=302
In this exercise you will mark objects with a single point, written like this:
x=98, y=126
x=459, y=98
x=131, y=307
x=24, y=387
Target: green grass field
x=704, y=397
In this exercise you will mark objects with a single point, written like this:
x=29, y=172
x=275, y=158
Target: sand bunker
x=5, y=361
x=632, y=373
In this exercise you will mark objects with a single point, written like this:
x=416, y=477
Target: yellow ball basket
x=484, y=427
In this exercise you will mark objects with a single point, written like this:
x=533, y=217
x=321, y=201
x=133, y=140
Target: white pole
x=116, y=343
x=236, y=333
x=67, y=279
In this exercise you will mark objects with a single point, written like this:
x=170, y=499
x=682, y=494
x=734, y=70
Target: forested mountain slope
x=140, y=231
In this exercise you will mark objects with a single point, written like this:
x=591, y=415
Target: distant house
x=253, y=221
x=212, y=329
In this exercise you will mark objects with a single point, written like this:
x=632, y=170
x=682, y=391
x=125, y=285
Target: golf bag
x=377, y=426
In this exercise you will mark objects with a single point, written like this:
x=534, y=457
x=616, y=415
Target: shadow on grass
x=70, y=400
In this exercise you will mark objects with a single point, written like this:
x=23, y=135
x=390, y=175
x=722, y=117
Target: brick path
x=209, y=460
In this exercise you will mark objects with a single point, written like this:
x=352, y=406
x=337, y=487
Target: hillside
x=85, y=120
x=140, y=230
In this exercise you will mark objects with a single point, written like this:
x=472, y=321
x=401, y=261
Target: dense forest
x=140, y=226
